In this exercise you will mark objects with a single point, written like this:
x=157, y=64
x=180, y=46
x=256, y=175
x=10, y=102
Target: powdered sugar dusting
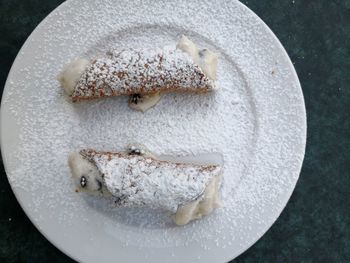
x=256, y=120
x=139, y=181
x=129, y=72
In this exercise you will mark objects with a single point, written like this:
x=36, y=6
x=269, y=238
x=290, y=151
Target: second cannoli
x=142, y=74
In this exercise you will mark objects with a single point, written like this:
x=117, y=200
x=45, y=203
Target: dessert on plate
x=136, y=178
x=141, y=74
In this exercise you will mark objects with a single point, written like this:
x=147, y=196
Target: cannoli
x=138, y=179
x=142, y=75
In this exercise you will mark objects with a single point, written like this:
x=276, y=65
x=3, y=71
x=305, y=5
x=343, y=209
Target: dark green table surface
x=315, y=226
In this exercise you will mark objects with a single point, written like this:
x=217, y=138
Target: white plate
x=256, y=120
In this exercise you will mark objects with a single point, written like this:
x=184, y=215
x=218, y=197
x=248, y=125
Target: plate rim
x=294, y=77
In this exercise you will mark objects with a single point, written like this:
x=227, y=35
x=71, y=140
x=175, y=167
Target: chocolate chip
x=83, y=181
x=135, y=98
x=135, y=152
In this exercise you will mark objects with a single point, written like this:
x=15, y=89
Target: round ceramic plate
x=255, y=121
